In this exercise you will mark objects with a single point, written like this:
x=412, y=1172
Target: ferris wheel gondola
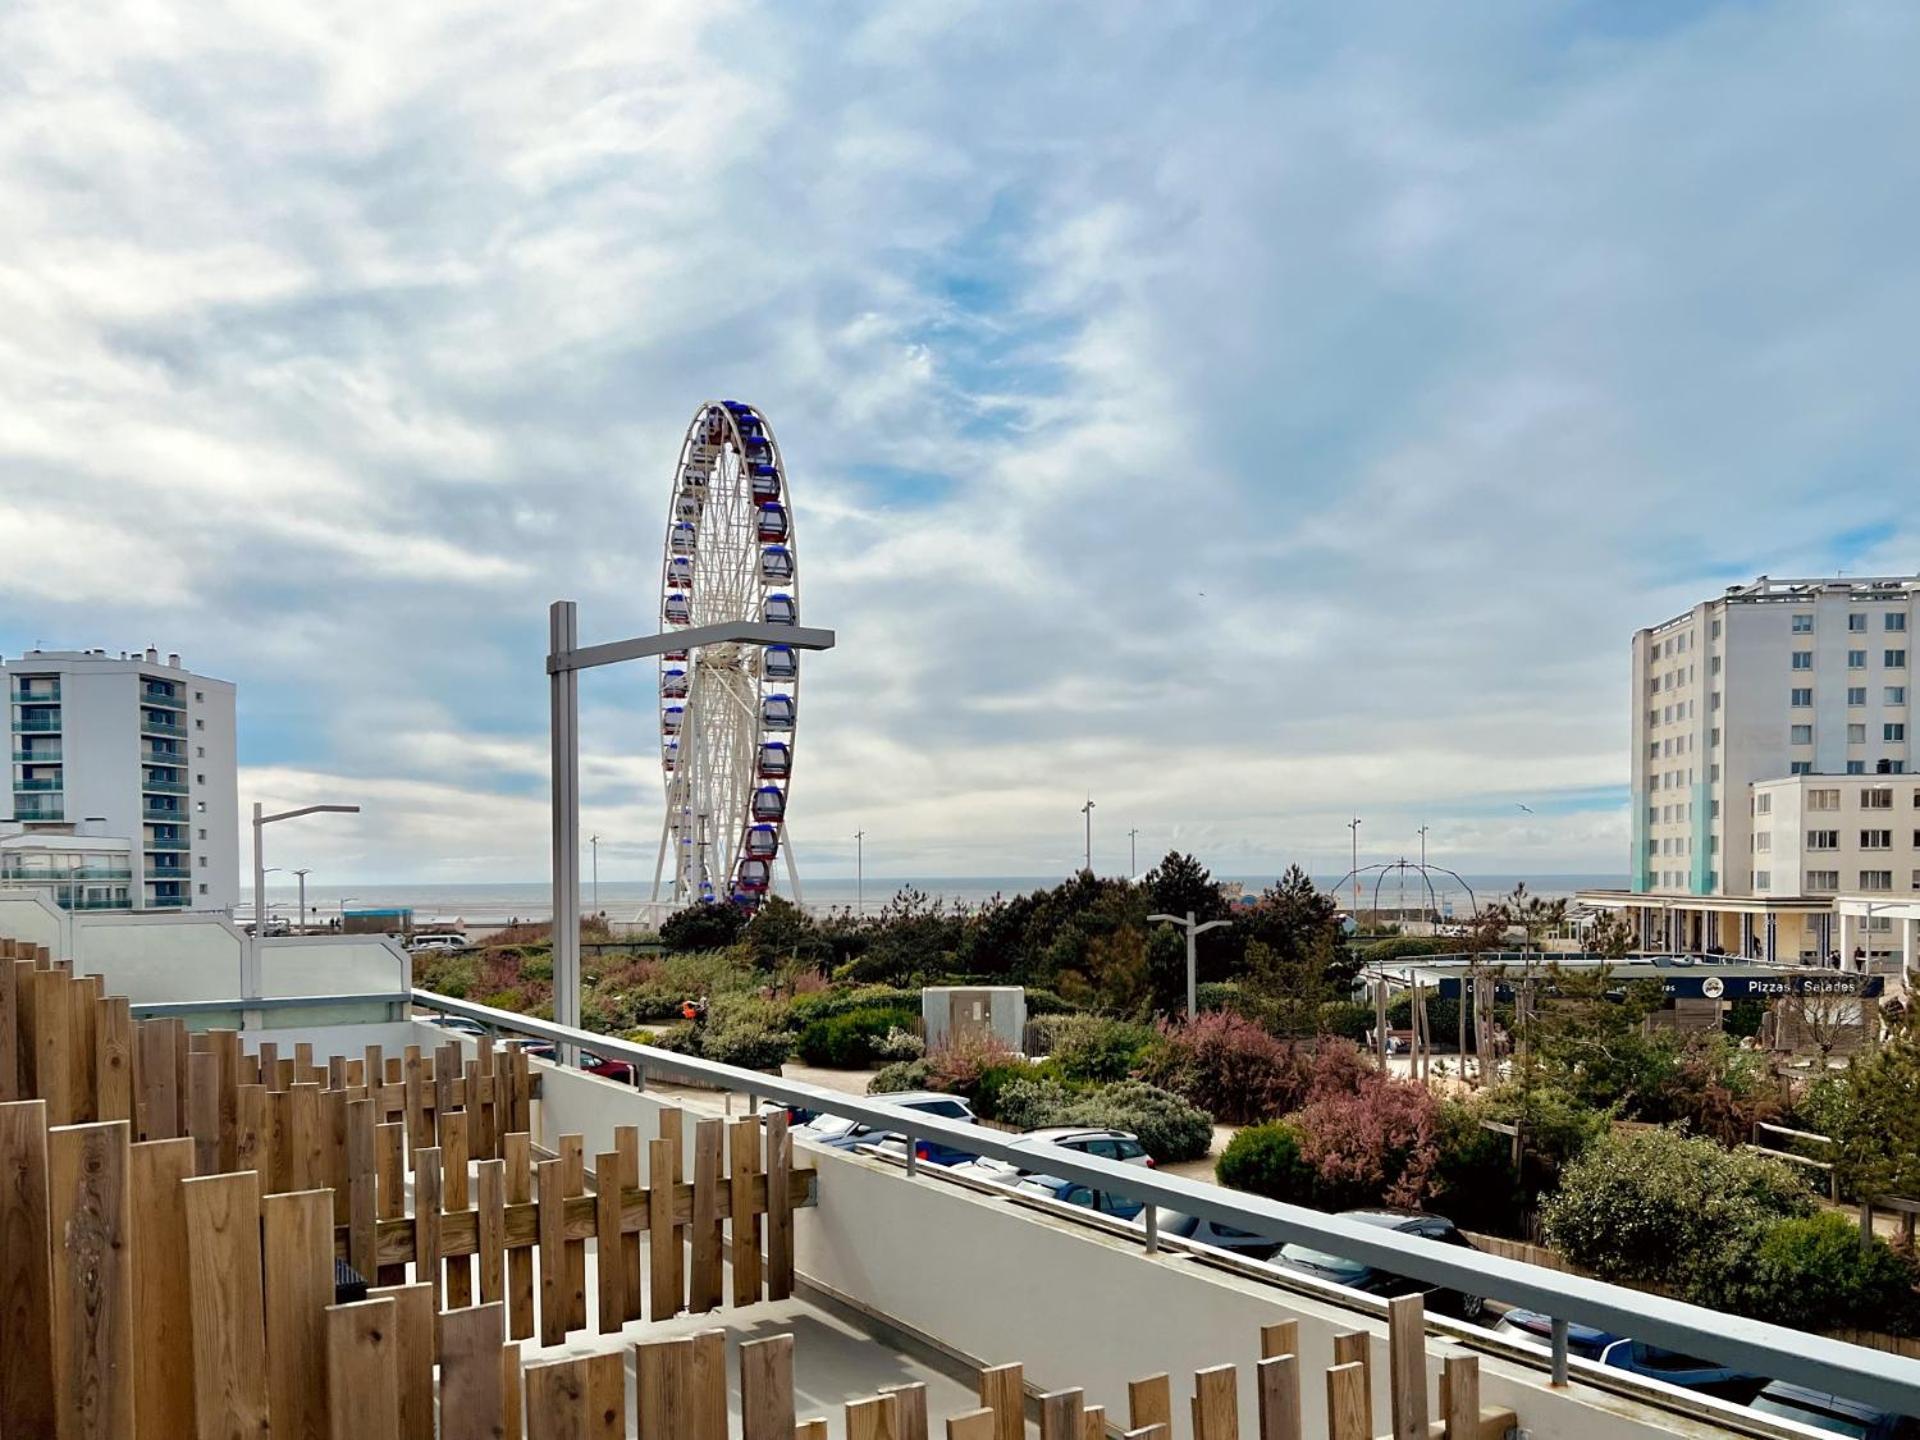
x=729, y=555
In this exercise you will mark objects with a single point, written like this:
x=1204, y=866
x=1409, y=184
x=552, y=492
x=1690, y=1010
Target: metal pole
x=563, y=637
x=1193, y=966
x=303, y=900
x=259, y=876
x=1354, y=826
x=595, y=841
x=859, y=872
x=1087, y=810
x=1133, y=853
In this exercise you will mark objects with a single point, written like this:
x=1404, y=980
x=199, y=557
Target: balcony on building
x=158, y=722
x=162, y=694
x=156, y=810
x=37, y=691
x=28, y=783
x=42, y=810
x=37, y=753
x=163, y=786
x=37, y=722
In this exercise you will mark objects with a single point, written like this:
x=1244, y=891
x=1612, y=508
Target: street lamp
x=1354, y=826
x=594, y=840
x=260, y=823
x=303, y=899
x=1194, y=930
x=1133, y=854
x=565, y=660
x=1087, y=810
x=859, y=872
x=260, y=902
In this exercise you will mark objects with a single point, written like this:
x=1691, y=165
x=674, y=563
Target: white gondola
x=763, y=842
x=678, y=610
x=776, y=761
x=673, y=684
x=672, y=718
x=683, y=538
x=770, y=803
x=781, y=662
x=777, y=712
x=686, y=508
x=776, y=564
x=779, y=609
x=680, y=572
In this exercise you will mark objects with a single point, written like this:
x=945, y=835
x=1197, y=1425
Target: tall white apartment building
x=1772, y=681
x=129, y=746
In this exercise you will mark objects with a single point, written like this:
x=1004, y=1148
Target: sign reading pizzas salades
x=1708, y=985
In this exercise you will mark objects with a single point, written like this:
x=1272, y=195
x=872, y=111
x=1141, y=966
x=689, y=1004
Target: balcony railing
x=164, y=787
x=125, y=903
x=49, y=756
x=21, y=785
x=50, y=696
x=168, y=872
x=164, y=817
x=39, y=814
x=63, y=877
x=38, y=725
x=163, y=757
x=165, y=699
x=151, y=726
x=168, y=902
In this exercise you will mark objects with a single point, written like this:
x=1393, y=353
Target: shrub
x=1641, y=1206
x=1217, y=995
x=1376, y=1143
x=1045, y=1002
x=899, y=1044
x=1814, y=1272
x=992, y=1083
x=1027, y=1104
x=713, y=925
x=900, y=1075
x=1266, y=1160
x=960, y=1065
x=751, y=1047
x=1168, y=1126
x=1092, y=1048
x=846, y=1042
x=806, y=1008
x=1229, y=1066
x=1349, y=1019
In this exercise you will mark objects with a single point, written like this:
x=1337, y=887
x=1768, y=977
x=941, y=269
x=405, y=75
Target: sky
x=1249, y=416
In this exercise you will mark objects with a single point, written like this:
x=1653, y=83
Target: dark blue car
x=1075, y=1192
x=1636, y=1357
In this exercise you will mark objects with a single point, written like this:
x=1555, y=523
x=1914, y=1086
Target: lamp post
x=303, y=899
x=1133, y=854
x=859, y=872
x=1087, y=810
x=594, y=840
x=1194, y=930
x=260, y=823
x=565, y=660
x=1354, y=826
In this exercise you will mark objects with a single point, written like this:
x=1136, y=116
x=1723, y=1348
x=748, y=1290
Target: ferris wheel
x=728, y=713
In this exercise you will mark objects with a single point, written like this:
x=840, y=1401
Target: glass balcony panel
x=37, y=725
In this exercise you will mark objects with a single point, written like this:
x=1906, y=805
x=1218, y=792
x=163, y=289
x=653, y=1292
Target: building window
x=203, y=888
x=1763, y=842
x=1763, y=879
x=1823, y=799
x=1896, y=620
x=203, y=834
x=1893, y=733
x=1713, y=736
x=1895, y=660
x=1895, y=695
x=203, y=862
x=1856, y=659
x=1823, y=880
x=1713, y=700
x=1713, y=773
x=1856, y=767
x=1856, y=695
x=1803, y=624
x=1763, y=804
x=200, y=807
x=1803, y=659
x=1823, y=839
x=1876, y=880
x=1713, y=665
x=1802, y=698
x=1876, y=839
x=1714, y=630
x=1713, y=809
x=1879, y=798
x=199, y=752
x=1800, y=734
x=199, y=724
x=1857, y=623
x=1856, y=734
x=1800, y=767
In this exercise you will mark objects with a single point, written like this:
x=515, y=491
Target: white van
x=437, y=942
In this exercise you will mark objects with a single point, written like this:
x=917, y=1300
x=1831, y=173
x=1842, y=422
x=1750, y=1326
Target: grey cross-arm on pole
x=308, y=810
x=726, y=632
x=1187, y=923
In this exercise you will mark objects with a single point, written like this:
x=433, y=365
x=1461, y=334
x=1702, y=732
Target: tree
x=781, y=933
x=1611, y=935
x=1878, y=1129
x=1180, y=883
x=1298, y=924
x=1288, y=994
x=707, y=926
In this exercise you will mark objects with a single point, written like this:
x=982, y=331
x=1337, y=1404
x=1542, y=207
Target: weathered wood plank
x=363, y=1372
x=744, y=1229
x=557, y=1397
x=1150, y=1402
x=203, y=1110
x=1281, y=1337
x=877, y=1417
x=26, y=1268
x=556, y=1305
x=626, y=1142
x=53, y=1044
x=779, y=1207
x=297, y=1246
x=162, y=1292
x=1003, y=1391
x=967, y=1425
x=518, y=1149
x=1216, y=1407
x=1279, y=1389
x=1062, y=1415
x=11, y=1084
x=413, y=1355
x=83, y=999
x=363, y=1198
x=88, y=1203
x=766, y=1388
x=427, y=1220
x=454, y=1148
x=229, y=1322
x=473, y=1400
x=1355, y=1347
x=1407, y=1366
x=573, y=1173
x=606, y=1417
x=490, y=1224
x=1348, y=1402
x=112, y=1059
x=707, y=1386
x=705, y=1274
x=663, y=1292
x=609, y=1256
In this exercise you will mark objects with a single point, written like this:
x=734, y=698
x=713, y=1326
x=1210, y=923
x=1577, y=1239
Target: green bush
x=848, y=1041
x=1647, y=1205
x=1045, y=1002
x=805, y=1010
x=899, y=1044
x=751, y=1047
x=1265, y=1159
x=1168, y=1126
x=1401, y=947
x=537, y=967
x=1813, y=1272
x=900, y=1075
x=1217, y=995
x=990, y=1085
x=1092, y=1048
x=1349, y=1019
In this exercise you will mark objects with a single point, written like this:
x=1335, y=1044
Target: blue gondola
x=678, y=610
x=770, y=803
x=680, y=572
x=782, y=662
x=670, y=755
x=683, y=539
x=773, y=524
x=776, y=563
x=766, y=487
x=763, y=841
x=776, y=760
x=673, y=684
x=687, y=507
x=779, y=609
x=755, y=876
x=777, y=712
x=672, y=718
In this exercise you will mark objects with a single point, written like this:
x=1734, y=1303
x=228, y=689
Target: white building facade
x=128, y=746
x=1777, y=695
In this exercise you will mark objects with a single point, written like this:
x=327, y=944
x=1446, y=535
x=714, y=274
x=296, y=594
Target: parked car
x=1834, y=1413
x=458, y=1024
x=1073, y=1192
x=1203, y=1231
x=593, y=1064
x=1634, y=1356
x=1106, y=1144
x=837, y=1132
x=1357, y=1275
x=448, y=941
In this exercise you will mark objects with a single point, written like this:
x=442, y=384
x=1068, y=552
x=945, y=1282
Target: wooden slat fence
x=171, y=1210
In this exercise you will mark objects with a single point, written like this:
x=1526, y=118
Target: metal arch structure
x=1426, y=873
x=729, y=711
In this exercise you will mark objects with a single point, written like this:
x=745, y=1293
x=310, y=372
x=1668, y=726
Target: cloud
x=1253, y=418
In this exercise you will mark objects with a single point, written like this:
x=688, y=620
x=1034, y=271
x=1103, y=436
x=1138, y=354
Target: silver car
x=1088, y=1140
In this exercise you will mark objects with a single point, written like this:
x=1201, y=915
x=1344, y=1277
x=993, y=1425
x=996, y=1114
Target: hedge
x=851, y=1040
x=1169, y=1127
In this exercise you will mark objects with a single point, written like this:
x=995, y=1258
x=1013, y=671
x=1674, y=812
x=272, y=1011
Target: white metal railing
x=1818, y=1362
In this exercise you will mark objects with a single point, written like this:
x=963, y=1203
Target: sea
x=504, y=903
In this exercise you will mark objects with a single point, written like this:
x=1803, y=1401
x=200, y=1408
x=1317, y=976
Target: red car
x=593, y=1064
